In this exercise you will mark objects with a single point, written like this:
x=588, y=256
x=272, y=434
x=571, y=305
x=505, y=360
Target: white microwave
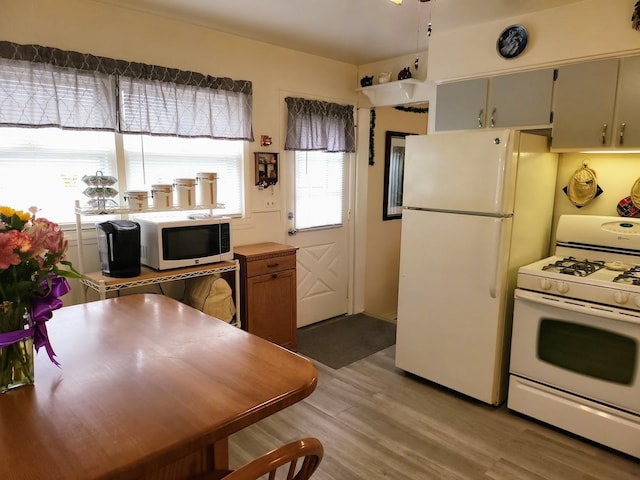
x=176, y=243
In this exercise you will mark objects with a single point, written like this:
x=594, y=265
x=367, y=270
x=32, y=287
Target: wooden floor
x=377, y=422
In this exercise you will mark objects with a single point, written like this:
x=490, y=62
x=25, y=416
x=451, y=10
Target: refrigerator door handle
x=496, y=286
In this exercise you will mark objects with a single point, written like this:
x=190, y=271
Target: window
x=152, y=160
x=46, y=87
x=44, y=167
x=319, y=189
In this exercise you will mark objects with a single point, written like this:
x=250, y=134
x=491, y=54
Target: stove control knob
x=563, y=287
x=545, y=284
x=621, y=297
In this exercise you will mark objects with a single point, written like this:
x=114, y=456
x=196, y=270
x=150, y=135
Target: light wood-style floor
x=376, y=422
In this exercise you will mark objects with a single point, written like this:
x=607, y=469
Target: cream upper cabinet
x=461, y=105
x=584, y=100
x=514, y=100
x=521, y=99
x=627, y=125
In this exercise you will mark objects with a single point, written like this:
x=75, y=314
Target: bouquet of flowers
x=33, y=277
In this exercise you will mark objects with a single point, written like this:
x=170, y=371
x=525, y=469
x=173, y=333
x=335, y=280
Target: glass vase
x=16, y=359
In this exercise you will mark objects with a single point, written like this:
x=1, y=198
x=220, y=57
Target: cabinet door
x=627, y=126
x=461, y=105
x=584, y=99
x=271, y=307
x=521, y=99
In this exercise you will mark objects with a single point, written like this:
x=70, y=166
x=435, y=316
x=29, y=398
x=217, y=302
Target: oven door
x=586, y=349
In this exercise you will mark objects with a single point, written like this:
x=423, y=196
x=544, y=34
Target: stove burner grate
x=573, y=266
x=629, y=277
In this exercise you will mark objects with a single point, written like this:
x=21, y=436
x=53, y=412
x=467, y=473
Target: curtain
x=317, y=125
x=45, y=86
x=161, y=108
x=44, y=95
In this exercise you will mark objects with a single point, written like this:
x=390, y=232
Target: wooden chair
x=308, y=449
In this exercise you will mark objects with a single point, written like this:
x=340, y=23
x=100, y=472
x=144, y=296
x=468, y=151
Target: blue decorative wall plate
x=512, y=41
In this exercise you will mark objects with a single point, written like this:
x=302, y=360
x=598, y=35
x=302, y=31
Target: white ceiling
x=353, y=31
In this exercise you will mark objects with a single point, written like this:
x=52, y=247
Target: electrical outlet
x=270, y=204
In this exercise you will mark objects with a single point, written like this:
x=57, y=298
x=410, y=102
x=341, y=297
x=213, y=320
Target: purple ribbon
x=42, y=308
x=9, y=338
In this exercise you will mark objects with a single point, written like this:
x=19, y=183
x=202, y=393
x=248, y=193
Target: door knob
x=292, y=232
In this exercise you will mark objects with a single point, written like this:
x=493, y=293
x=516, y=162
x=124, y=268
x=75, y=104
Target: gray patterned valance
x=110, y=66
x=44, y=86
x=317, y=125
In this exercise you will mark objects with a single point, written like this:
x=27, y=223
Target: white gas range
x=575, y=350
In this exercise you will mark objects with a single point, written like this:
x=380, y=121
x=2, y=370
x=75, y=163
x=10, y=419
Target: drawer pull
x=274, y=275
x=272, y=265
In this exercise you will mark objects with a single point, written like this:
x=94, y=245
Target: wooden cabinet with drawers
x=268, y=291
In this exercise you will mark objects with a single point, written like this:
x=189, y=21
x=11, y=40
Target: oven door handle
x=601, y=311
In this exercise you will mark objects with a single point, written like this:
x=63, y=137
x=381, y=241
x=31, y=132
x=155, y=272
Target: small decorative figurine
x=366, y=81
x=384, y=77
x=404, y=73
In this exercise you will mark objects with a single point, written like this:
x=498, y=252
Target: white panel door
x=322, y=274
x=452, y=300
x=323, y=260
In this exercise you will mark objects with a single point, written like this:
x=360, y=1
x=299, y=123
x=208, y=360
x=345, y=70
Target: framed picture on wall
x=266, y=169
x=393, y=175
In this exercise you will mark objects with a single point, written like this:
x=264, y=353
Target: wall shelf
x=148, y=276
x=91, y=211
x=404, y=88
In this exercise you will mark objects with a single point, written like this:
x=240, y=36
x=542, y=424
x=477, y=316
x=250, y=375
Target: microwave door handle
x=631, y=317
x=110, y=244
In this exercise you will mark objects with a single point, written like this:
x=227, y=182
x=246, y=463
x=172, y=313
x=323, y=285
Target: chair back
x=298, y=460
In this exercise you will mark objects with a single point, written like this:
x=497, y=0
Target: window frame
x=33, y=150
x=394, y=155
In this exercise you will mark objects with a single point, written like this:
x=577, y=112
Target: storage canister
x=138, y=200
x=185, y=192
x=207, y=189
x=162, y=195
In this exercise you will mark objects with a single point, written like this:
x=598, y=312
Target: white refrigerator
x=477, y=205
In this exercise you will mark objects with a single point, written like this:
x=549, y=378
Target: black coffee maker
x=119, y=248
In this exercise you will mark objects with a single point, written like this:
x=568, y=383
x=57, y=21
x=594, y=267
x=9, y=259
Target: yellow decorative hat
x=583, y=186
x=635, y=193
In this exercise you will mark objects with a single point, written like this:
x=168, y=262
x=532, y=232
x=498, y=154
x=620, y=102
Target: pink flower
x=47, y=239
x=12, y=243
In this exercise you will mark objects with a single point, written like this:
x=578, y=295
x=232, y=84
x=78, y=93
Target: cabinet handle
x=493, y=118
x=272, y=265
x=622, y=127
x=274, y=275
x=480, y=115
x=604, y=133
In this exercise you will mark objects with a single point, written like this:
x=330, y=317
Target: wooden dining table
x=147, y=388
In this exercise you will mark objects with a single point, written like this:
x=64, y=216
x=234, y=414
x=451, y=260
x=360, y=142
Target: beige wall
x=616, y=175
x=93, y=27
x=579, y=31
x=570, y=33
x=383, y=237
